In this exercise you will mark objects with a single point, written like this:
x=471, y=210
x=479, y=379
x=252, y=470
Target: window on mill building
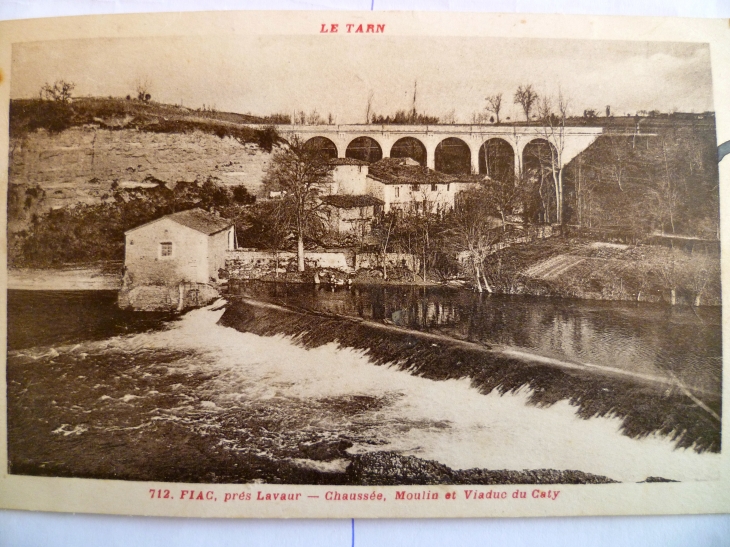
x=166, y=249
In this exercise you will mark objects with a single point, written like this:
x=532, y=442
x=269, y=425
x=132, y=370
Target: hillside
x=67, y=154
x=28, y=115
x=663, y=177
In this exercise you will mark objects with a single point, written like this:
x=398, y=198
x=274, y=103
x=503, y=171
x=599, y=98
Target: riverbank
x=557, y=267
x=597, y=270
x=106, y=277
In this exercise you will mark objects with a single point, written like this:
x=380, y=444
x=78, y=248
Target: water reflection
x=640, y=337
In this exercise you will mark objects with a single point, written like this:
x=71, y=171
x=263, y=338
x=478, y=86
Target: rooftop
x=347, y=202
x=406, y=171
x=347, y=161
x=197, y=219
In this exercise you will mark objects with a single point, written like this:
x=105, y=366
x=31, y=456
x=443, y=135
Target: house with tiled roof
x=188, y=246
x=351, y=214
x=347, y=177
x=357, y=192
x=404, y=184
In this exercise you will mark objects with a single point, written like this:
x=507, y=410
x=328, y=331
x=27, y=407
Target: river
x=236, y=392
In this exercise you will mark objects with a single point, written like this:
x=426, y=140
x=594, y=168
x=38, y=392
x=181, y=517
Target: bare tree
x=494, y=104
x=504, y=196
x=669, y=271
x=700, y=270
x=314, y=118
x=60, y=91
x=142, y=88
x=473, y=234
x=299, y=170
x=526, y=97
x=480, y=117
x=382, y=233
x=664, y=202
x=619, y=156
x=553, y=128
x=369, y=107
x=642, y=275
x=423, y=216
x=665, y=196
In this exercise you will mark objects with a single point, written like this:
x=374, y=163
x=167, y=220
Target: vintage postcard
x=335, y=264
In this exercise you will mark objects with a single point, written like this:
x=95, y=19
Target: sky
x=335, y=75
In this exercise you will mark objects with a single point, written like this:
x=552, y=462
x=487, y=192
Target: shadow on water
x=450, y=334
x=44, y=318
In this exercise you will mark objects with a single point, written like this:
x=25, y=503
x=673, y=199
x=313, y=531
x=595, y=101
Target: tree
x=142, y=89
x=60, y=91
x=669, y=271
x=504, y=196
x=472, y=232
x=314, y=118
x=299, y=170
x=369, y=106
x=526, y=97
x=494, y=104
x=554, y=131
x=449, y=117
x=620, y=154
x=213, y=194
x=242, y=196
x=699, y=272
x=382, y=233
x=423, y=216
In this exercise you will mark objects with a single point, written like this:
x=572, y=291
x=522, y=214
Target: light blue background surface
x=26, y=529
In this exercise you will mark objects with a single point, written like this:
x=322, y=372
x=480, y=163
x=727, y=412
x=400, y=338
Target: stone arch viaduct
x=574, y=139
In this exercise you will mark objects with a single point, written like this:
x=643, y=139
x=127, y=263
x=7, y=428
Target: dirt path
x=554, y=267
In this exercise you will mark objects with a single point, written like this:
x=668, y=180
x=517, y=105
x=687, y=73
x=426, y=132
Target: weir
x=645, y=404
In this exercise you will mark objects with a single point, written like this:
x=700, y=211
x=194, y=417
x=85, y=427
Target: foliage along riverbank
x=557, y=268
x=564, y=268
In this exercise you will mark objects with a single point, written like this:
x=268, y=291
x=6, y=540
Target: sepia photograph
x=352, y=257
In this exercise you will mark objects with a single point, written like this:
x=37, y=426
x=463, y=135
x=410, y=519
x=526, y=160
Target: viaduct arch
x=482, y=141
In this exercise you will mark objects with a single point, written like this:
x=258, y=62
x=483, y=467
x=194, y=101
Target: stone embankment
x=183, y=296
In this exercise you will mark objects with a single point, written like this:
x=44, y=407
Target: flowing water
x=96, y=392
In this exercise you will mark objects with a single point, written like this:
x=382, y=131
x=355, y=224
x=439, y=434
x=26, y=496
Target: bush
x=89, y=233
x=242, y=196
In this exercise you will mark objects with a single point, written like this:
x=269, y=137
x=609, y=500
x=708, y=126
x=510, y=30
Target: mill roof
x=197, y=219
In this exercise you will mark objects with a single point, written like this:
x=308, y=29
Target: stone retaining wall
x=249, y=264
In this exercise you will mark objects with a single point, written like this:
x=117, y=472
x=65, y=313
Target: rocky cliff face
x=80, y=164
